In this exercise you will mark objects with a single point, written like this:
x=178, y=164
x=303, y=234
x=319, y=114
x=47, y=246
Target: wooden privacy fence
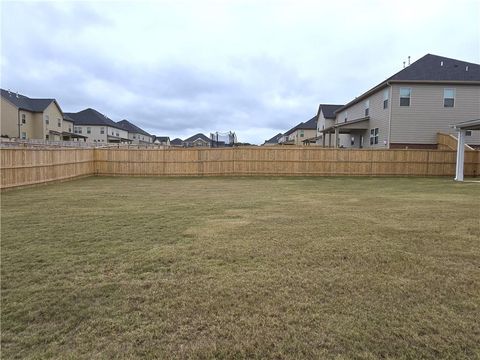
x=22, y=167
x=31, y=166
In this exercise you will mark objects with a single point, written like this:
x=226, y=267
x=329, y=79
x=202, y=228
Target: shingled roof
x=196, y=137
x=25, y=103
x=429, y=68
x=328, y=110
x=438, y=68
x=274, y=140
x=92, y=117
x=132, y=128
x=308, y=125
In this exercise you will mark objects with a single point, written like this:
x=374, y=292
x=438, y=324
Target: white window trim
x=454, y=97
x=409, y=97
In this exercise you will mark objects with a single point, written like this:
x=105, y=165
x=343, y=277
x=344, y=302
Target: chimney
x=404, y=64
x=409, y=60
x=9, y=93
x=17, y=94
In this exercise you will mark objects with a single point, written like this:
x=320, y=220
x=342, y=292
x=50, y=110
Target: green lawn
x=335, y=268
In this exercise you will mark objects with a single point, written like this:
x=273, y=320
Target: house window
x=24, y=135
x=118, y=135
x=47, y=120
x=69, y=129
x=113, y=132
x=345, y=119
x=89, y=130
x=405, y=94
x=352, y=141
x=134, y=136
x=46, y=137
x=468, y=133
x=385, y=99
x=367, y=107
x=102, y=130
x=59, y=123
x=448, y=97
x=302, y=134
x=24, y=121
x=77, y=130
x=374, y=136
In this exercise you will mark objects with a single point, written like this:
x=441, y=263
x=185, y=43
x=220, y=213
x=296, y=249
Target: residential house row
x=406, y=110
x=43, y=119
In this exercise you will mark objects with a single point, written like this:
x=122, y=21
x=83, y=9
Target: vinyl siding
x=9, y=119
x=425, y=117
x=379, y=118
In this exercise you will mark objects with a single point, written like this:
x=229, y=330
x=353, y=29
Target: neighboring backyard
x=293, y=268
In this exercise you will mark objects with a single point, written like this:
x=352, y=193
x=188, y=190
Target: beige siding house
x=301, y=133
x=28, y=118
x=326, y=119
x=98, y=127
x=136, y=134
x=408, y=109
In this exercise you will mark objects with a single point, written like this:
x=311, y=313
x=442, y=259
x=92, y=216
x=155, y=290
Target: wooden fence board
x=26, y=166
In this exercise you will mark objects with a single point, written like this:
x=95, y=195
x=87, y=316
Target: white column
x=336, y=138
x=460, y=155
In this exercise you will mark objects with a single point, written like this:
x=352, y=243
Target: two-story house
x=197, y=140
x=30, y=118
x=325, y=120
x=161, y=140
x=408, y=109
x=98, y=127
x=136, y=134
x=300, y=133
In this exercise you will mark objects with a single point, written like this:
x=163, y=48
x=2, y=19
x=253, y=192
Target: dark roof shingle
x=92, y=117
x=328, y=110
x=196, y=137
x=25, y=103
x=274, y=140
x=132, y=128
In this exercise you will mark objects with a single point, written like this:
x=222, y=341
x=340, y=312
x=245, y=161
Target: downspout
x=18, y=118
x=390, y=113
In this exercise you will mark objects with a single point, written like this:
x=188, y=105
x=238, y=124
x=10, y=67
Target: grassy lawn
x=333, y=268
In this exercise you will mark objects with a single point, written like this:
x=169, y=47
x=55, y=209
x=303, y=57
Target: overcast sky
x=176, y=68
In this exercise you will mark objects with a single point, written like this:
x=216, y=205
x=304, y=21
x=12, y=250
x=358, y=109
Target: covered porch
x=462, y=129
x=357, y=128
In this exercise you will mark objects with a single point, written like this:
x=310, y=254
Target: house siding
x=379, y=118
x=9, y=117
x=425, y=117
x=42, y=129
x=323, y=123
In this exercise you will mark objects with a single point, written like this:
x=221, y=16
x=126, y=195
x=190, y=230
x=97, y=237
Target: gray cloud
x=178, y=68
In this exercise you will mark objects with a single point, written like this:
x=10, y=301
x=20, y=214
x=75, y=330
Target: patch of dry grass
x=242, y=268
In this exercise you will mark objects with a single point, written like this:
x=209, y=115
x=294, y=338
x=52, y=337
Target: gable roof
x=92, y=117
x=176, y=141
x=68, y=118
x=429, y=68
x=25, y=103
x=274, y=140
x=438, y=68
x=308, y=125
x=161, y=138
x=196, y=137
x=132, y=128
x=328, y=110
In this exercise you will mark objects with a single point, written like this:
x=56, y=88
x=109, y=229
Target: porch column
x=336, y=138
x=329, y=139
x=323, y=139
x=460, y=155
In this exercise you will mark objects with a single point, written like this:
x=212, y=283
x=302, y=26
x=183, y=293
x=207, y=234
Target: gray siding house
x=408, y=109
